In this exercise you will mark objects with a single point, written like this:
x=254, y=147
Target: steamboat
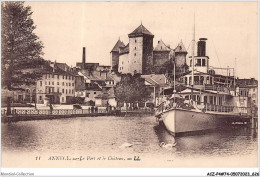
x=206, y=101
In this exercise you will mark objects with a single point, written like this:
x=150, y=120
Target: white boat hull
x=181, y=121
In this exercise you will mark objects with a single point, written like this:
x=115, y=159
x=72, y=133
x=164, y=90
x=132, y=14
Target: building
x=155, y=83
x=105, y=100
x=115, y=55
x=248, y=88
x=58, y=84
x=139, y=56
x=162, y=56
x=98, y=83
x=136, y=56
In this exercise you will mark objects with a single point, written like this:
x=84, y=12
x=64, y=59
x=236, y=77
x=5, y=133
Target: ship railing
x=228, y=109
x=219, y=108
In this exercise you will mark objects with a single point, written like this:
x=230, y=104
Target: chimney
x=83, y=58
x=202, y=47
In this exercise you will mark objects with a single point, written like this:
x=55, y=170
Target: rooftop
x=140, y=30
x=123, y=50
x=180, y=48
x=117, y=46
x=161, y=46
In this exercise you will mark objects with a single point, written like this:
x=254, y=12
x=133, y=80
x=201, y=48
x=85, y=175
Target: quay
x=43, y=114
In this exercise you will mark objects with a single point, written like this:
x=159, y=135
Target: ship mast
x=193, y=48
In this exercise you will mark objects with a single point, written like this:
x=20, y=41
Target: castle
x=139, y=55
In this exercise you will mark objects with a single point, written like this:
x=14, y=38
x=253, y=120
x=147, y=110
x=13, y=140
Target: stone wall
x=135, y=55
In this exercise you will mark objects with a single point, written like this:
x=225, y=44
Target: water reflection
x=221, y=142
x=107, y=134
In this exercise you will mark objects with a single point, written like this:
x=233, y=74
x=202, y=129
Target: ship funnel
x=202, y=47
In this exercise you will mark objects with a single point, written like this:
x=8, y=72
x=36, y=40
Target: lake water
x=103, y=136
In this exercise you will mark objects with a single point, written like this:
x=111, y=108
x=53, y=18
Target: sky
x=230, y=27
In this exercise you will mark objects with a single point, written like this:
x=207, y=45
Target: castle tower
x=180, y=55
x=140, y=50
x=115, y=54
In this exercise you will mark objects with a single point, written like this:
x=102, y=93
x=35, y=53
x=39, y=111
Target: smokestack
x=202, y=47
x=83, y=58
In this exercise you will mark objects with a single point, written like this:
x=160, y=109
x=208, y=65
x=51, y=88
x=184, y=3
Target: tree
x=131, y=89
x=21, y=49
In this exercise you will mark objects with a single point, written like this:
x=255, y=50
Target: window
x=52, y=83
x=122, y=68
x=135, y=40
x=203, y=62
x=62, y=83
x=220, y=101
x=66, y=77
x=73, y=84
x=66, y=84
x=45, y=82
x=58, y=83
x=66, y=91
x=135, y=48
x=134, y=61
x=190, y=63
x=135, y=54
x=69, y=91
x=40, y=83
x=94, y=92
x=58, y=90
x=52, y=75
x=58, y=76
x=62, y=90
x=72, y=91
x=40, y=97
x=69, y=84
x=215, y=100
x=205, y=99
x=62, y=99
x=72, y=78
x=211, y=99
x=198, y=62
x=198, y=99
x=49, y=83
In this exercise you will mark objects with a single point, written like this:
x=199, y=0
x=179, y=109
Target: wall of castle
x=160, y=57
x=135, y=55
x=147, y=54
x=124, y=64
x=180, y=59
x=114, y=59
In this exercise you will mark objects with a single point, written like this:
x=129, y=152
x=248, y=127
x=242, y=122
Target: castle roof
x=140, y=30
x=123, y=50
x=180, y=48
x=161, y=46
x=117, y=46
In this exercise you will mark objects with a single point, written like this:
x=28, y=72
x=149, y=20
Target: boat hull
x=178, y=121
